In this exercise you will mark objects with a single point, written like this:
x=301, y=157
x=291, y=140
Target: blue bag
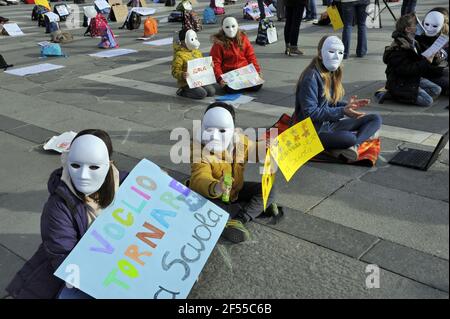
x=51, y=49
x=209, y=17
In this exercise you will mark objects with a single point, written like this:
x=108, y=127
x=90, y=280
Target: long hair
x=105, y=195
x=444, y=11
x=221, y=38
x=333, y=88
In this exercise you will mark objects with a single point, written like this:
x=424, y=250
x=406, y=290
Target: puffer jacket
x=181, y=56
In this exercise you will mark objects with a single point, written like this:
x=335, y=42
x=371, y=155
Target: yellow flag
x=268, y=178
x=295, y=146
x=335, y=17
x=43, y=3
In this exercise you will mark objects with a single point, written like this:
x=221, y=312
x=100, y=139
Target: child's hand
x=185, y=75
x=221, y=187
x=222, y=83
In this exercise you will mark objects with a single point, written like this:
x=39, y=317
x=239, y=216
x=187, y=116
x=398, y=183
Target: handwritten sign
x=335, y=18
x=12, y=29
x=200, y=72
x=252, y=9
x=437, y=46
x=243, y=78
x=151, y=242
x=295, y=146
x=268, y=178
x=43, y=3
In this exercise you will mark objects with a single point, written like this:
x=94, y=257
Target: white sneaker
x=350, y=153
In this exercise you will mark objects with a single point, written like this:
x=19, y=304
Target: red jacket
x=226, y=60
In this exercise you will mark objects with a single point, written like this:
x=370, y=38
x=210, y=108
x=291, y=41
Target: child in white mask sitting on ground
x=187, y=50
x=218, y=162
x=435, y=24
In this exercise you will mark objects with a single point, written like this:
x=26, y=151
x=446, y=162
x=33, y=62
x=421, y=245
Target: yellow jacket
x=181, y=56
x=207, y=170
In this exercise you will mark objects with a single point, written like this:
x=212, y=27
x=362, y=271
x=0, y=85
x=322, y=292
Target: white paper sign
x=12, y=29
x=436, y=47
x=272, y=35
x=62, y=10
x=200, y=72
x=102, y=4
x=248, y=27
x=90, y=12
x=143, y=11
x=113, y=53
x=34, y=69
x=242, y=78
x=60, y=143
x=52, y=17
x=161, y=42
x=243, y=99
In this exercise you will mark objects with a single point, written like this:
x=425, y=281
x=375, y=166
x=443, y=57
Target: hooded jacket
x=181, y=56
x=232, y=58
x=405, y=67
x=63, y=222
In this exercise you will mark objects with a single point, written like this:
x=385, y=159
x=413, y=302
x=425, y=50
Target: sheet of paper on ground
x=161, y=42
x=243, y=78
x=151, y=242
x=200, y=72
x=13, y=29
x=113, y=53
x=60, y=143
x=295, y=146
x=34, y=69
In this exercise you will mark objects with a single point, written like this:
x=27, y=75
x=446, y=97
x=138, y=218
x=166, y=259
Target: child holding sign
x=218, y=172
x=319, y=96
x=79, y=190
x=232, y=50
x=185, y=51
x=435, y=24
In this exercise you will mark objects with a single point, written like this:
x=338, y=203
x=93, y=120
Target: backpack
x=37, y=10
x=97, y=26
x=133, y=21
x=170, y=3
x=150, y=27
x=264, y=27
x=3, y=64
x=50, y=26
x=108, y=40
x=209, y=17
x=217, y=10
x=52, y=49
x=191, y=21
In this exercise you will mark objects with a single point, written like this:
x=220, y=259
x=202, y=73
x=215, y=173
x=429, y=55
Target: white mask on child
x=217, y=129
x=230, y=26
x=88, y=163
x=433, y=23
x=191, y=40
x=332, y=53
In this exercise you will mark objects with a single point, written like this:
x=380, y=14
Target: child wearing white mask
x=223, y=152
x=340, y=125
x=232, y=50
x=407, y=70
x=187, y=50
x=435, y=24
x=79, y=191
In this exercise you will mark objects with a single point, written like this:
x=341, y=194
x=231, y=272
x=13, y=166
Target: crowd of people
x=88, y=179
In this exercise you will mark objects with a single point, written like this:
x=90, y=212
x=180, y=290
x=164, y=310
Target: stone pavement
x=339, y=218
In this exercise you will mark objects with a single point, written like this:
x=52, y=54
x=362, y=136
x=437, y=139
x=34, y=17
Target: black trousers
x=294, y=17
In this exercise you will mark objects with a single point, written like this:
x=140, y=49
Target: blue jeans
x=408, y=6
x=351, y=10
x=350, y=132
x=428, y=91
x=311, y=12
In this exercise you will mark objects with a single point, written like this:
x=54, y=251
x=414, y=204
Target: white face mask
x=332, y=53
x=230, y=26
x=220, y=3
x=217, y=129
x=433, y=23
x=191, y=40
x=88, y=163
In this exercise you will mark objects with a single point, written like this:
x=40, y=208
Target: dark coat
x=296, y=3
x=63, y=222
x=405, y=68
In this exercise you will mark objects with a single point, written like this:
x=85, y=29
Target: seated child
x=435, y=24
x=407, y=70
x=340, y=125
x=185, y=51
x=232, y=50
x=224, y=153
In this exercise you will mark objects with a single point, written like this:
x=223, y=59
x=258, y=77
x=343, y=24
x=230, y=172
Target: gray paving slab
x=9, y=265
x=411, y=220
x=424, y=268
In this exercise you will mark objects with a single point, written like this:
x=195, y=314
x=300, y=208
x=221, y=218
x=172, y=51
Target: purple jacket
x=63, y=223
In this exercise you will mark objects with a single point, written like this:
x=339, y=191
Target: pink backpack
x=217, y=10
x=97, y=26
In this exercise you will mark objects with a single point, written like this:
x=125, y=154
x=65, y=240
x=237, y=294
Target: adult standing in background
x=262, y=12
x=311, y=11
x=294, y=15
x=408, y=6
x=352, y=9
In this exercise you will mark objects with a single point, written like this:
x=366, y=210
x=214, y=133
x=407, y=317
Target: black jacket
x=405, y=67
x=296, y=3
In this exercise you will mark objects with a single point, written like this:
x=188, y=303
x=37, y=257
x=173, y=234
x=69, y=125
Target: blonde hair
x=330, y=79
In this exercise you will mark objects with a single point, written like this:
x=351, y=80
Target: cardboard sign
x=43, y=3
x=295, y=146
x=12, y=29
x=200, y=72
x=268, y=178
x=119, y=13
x=335, y=18
x=243, y=78
x=151, y=242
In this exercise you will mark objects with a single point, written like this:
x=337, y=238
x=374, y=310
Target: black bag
x=170, y=3
x=3, y=64
x=132, y=22
x=78, y=1
x=262, y=38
